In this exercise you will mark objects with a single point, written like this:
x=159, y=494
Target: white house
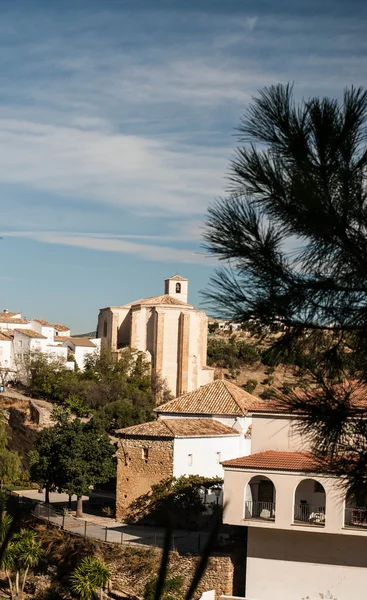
x=192, y=436
x=306, y=535
x=11, y=321
x=81, y=348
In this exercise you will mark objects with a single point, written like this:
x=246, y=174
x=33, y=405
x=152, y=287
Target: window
x=145, y=454
x=190, y=460
x=105, y=329
x=20, y=343
x=218, y=457
x=178, y=288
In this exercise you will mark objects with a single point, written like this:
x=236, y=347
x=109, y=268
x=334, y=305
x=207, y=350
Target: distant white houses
x=81, y=348
x=19, y=337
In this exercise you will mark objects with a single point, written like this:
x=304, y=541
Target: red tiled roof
x=276, y=461
x=5, y=337
x=4, y=318
x=59, y=327
x=32, y=334
x=165, y=299
x=43, y=322
x=177, y=278
x=171, y=428
x=216, y=398
x=84, y=342
x=357, y=391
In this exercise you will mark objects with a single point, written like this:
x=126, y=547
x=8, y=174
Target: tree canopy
x=293, y=232
x=72, y=457
x=121, y=393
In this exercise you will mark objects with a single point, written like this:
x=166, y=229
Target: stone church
x=171, y=332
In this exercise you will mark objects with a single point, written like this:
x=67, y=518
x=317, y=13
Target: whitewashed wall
x=204, y=452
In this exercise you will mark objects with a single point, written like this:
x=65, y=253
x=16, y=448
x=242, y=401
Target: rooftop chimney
x=5, y=310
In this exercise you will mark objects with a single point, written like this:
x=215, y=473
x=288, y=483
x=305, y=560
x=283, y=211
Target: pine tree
x=293, y=232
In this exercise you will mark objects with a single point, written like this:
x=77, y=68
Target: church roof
x=177, y=278
x=216, y=398
x=164, y=299
x=171, y=428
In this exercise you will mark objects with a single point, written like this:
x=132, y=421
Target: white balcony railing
x=309, y=514
x=260, y=510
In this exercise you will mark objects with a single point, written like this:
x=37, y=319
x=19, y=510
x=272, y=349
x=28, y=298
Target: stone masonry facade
x=141, y=463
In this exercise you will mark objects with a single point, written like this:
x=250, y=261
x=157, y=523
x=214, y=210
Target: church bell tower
x=177, y=287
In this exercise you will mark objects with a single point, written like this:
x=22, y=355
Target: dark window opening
x=178, y=288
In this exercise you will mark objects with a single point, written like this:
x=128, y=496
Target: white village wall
x=205, y=460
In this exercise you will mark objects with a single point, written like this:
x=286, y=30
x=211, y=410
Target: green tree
x=73, y=457
x=180, y=497
x=90, y=576
x=23, y=553
x=9, y=461
x=293, y=232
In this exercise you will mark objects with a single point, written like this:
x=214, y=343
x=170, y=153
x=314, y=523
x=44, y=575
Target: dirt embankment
x=22, y=421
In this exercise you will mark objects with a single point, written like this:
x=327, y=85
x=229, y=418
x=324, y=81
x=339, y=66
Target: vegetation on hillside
x=9, y=461
x=120, y=393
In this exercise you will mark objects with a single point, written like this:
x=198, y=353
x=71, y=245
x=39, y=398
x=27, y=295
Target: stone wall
x=135, y=567
x=141, y=463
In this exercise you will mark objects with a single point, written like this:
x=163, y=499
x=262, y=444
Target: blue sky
x=116, y=129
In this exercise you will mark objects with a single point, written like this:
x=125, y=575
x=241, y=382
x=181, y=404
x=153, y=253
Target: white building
x=19, y=337
x=80, y=348
x=192, y=436
x=306, y=535
x=171, y=333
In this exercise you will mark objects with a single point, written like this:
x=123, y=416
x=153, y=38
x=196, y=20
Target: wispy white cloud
x=119, y=244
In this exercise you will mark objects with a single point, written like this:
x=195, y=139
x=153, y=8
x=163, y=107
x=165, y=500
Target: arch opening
x=178, y=288
x=310, y=503
x=260, y=496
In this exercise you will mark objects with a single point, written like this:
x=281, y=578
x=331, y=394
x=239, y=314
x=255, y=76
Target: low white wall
x=285, y=565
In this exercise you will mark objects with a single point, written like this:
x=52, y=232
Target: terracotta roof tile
x=357, y=391
x=32, y=334
x=17, y=320
x=171, y=428
x=43, y=322
x=59, y=327
x=164, y=299
x=276, y=461
x=61, y=338
x=216, y=398
x=177, y=278
x=85, y=342
x=5, y=338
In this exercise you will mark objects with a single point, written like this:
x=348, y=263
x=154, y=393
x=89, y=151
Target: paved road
x=110, y=530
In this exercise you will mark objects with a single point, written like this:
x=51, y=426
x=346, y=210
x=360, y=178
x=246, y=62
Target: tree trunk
x=47, y=495
x=69, y=502
x=79, y=507
x=24, y=578
x=17, y=584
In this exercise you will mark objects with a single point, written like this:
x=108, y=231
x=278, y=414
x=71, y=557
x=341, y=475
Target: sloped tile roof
x=59, y=327
x=177, y=278
x=85, y=342
x=216, y=398
x=158, y=300
x=4, y=318
x=357, y=398
x=276, y=461
x=171, y=428
x=5, y=338
x=43, y=322
x=32, y=334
